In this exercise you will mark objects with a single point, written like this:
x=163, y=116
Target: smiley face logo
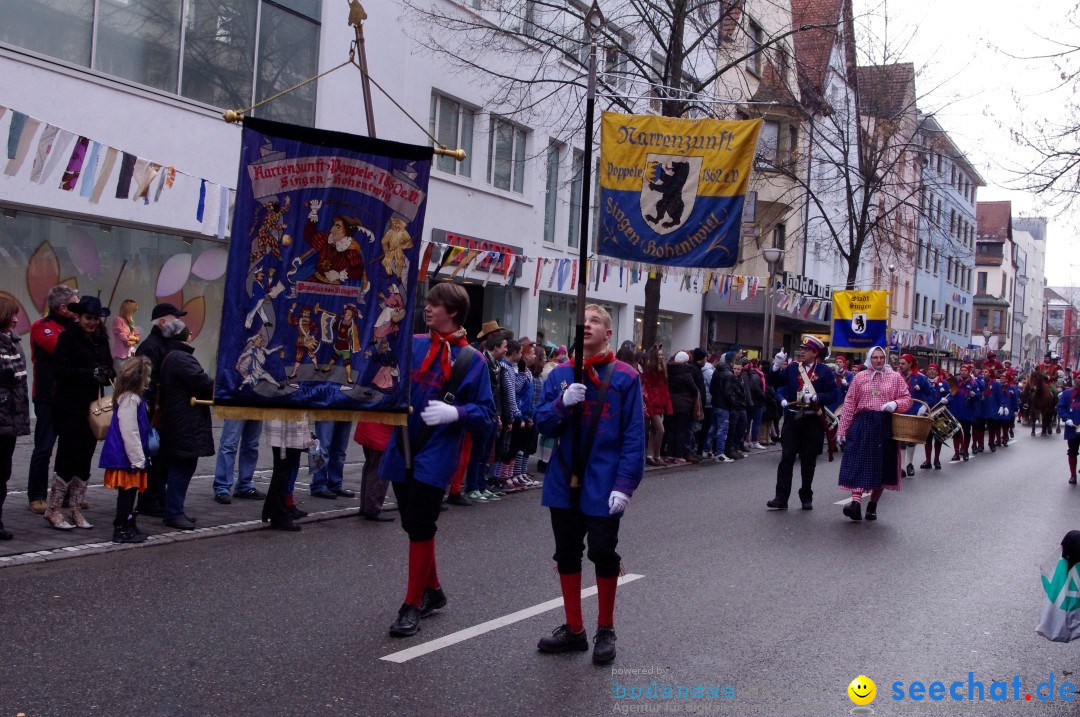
x=862, y=690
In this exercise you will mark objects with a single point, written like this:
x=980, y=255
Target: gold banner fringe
x=250, y=413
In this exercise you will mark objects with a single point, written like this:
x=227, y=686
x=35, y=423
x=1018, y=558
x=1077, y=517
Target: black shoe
x=541, y=466
x=458, y=499
x=407, y=623
x=344, y=493
x=910, y=470
x=378, y=517
x=966, y=457
x=937, y=465
x=955, y=459
x=871, y=510
x=853, y=510
x=993, y=448
x=925, y=466
x=808, y=504
x=5, y=534
x=181, y=523
x=433, y=599
x=154, y=511
x=251, y=493
x=603, y=646
x=284, y=522
x=1072, y=481
x=127, y=534
x=777, y=504
x=296, y=513
x=324, y=493
x=223, y=498
x=563, y=640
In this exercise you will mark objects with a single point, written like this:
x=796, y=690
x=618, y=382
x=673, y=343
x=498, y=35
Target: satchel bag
x=100, y=416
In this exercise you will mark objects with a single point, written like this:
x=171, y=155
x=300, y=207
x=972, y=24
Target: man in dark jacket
x=186, y=430
x=43, y=336
x=697, y=365
x=740, y=402
x=720, y=389
x=684, y=395
x=154, y=347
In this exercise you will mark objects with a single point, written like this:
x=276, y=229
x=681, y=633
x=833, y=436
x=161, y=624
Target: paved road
x=786, y=608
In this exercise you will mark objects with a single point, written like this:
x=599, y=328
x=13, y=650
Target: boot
x=58, y=489
x=78, y=492
x=871, y=510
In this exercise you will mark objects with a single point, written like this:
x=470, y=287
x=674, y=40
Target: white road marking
x=845, y=501
x=476, y=630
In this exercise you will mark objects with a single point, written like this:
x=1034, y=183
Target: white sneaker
x=757, y=445
x=721, y=458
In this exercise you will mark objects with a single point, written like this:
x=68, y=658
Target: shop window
x=452, y=124
x=664, y=330
x=38, y=251
x=558, y=319
x=506, y=156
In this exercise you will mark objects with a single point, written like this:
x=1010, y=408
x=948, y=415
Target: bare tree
x=659, y=56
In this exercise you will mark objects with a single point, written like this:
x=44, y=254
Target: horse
x=1042, y=403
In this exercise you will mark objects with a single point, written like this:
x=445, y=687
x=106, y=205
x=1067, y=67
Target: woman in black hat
x=83, y=365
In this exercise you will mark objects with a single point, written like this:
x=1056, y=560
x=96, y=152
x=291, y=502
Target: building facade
x=995, y=278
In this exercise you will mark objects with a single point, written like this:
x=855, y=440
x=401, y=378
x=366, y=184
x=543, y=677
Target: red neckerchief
x=592, y=362
x=438, y=341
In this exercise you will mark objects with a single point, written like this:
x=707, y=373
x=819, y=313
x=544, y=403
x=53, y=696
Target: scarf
x=436, y=353
x=599, y=359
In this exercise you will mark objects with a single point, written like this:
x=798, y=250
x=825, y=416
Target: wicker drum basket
x=911, y=429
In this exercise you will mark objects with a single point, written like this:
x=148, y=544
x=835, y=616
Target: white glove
x=922, y=410
x=783, y=403
x=617, y=501
x=843, y=382
x=315, y=205
x=1003, y=411
x=1070, y=423
x=573, y=395
x=889, y=407
x=943, y=402
x=841, y=440
x=439, y=413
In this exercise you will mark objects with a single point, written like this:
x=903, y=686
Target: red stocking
x=606, y=596
x=571, y=598
x=1072, y=466
x=421, y=566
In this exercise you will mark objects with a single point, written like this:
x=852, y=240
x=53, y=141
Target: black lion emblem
x=670, y=185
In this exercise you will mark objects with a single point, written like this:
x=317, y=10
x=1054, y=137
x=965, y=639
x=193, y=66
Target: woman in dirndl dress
x=871, y=461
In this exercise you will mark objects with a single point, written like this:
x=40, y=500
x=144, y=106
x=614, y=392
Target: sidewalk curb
x=178, y=536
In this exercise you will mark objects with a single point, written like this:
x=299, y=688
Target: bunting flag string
x=80, y=161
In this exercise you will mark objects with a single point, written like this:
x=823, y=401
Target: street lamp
x=987, y=333
x=937, y=319
x=772, y=257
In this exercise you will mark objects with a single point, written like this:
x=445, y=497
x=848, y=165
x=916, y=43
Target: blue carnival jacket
x=523, y=385
x=991, y=400
x=1068, y=408
x=617, y=458
x=939, y=390
x=1011, y=394
x=843, y=383
x=436, y=462
x=964, y=406
x=824, y=383
x=919, y=387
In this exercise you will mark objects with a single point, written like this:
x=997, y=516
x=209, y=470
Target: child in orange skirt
x=127, y=446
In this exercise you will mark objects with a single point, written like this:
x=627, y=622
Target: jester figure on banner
x=322, y=270
x=672, y=190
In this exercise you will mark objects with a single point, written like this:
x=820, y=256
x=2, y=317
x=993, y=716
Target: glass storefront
x=486, y=303
x=664, y=323
x=558, y=319
x=114, y=263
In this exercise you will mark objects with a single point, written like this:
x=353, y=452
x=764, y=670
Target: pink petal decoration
x=23, y=327
x=174, y=274
x=73, y=282
x=42, y=273
x=196, y=315
x=83, y=251
x=210, y=265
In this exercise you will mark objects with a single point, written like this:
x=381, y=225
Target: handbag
x=699, y=412
x=100, y=416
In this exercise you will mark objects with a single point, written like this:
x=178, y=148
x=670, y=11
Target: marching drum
x=943, y=425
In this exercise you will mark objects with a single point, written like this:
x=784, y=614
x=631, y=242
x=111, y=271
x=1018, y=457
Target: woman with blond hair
x=123, y=333
x=127, y=447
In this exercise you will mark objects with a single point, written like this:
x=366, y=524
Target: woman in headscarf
x=871, y=461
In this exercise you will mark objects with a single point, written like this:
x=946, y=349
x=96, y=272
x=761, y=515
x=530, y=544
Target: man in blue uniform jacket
x=803, y=431
x=1068, y=409
x=436, y=428
x=613, y=439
